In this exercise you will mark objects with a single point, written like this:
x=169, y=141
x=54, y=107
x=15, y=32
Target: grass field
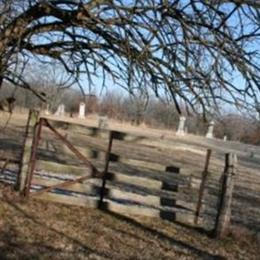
x=41, y=230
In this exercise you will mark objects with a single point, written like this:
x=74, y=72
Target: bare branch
x=202, y=53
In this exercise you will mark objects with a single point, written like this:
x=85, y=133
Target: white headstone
x=181, y=127
x=47, y=110
x=60, y=110
x=82, y=109
x=210, y=130
x=225, y=138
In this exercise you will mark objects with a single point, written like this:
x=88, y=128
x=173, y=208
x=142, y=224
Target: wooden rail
x=129, y=180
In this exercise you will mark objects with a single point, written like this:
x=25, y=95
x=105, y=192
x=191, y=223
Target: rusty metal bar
x=60, y=185
x=80, y=156
x=36, y=139
x=105, y=172
x=202, y=186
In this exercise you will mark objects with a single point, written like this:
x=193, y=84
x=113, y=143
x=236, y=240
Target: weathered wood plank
x=92, y=203
x=117, y=194
x=60, y=168
x=125, y=209
x=153, y=201
x=89, y=202
x=77, y=128
x=149, y=212
x=85, y=187
x=140, y=176
x=135, y=180
x=92, y=186
x=119, y=179
x=144, y=194
x=138, y=163
x=130, y=209
x=147, y=183
x=95, y=131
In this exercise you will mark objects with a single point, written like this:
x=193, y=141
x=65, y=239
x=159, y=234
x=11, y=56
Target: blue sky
x=236, y=78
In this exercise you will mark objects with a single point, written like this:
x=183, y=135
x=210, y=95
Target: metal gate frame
x=33, y=159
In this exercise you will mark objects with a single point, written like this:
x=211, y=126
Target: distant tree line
x=153, y=112
x=191, y=51
x=159, y=114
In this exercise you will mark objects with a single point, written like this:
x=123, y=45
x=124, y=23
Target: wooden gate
x=131, y=178
x=93, y=171
x=122, y=181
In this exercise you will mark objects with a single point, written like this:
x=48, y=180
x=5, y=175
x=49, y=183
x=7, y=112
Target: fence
x=87, y=166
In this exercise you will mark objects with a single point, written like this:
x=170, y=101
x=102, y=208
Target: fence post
x=26, y=151
x=105, y=172
x=32, y=162
x=202, y=186
x=227, y=186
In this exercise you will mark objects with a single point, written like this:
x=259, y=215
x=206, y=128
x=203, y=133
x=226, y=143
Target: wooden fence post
x=202, y=186
x=227, y=186
x=105, y=172
x=26, y=151
x=32, y=162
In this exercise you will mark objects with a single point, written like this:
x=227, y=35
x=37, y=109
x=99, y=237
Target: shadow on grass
x=15, y=249
x=12, y=247
x=182, y=246
x=27, y=250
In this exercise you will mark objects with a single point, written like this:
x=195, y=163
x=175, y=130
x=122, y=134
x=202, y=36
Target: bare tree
x=193, y=51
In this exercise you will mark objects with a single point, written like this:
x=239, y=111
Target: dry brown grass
x=41, y=230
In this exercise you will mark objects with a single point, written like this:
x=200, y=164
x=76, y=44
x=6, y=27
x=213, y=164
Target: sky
x=111, y=86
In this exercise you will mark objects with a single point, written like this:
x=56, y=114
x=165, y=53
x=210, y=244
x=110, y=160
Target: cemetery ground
x=42, y=230
x=33, y=229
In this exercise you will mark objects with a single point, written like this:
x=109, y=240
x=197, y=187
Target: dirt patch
x=40, y=230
